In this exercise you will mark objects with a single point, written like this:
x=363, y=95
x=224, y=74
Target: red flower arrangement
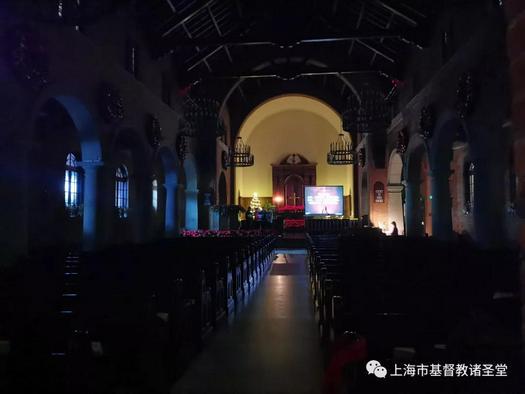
x=224, y=233
x=291, y=209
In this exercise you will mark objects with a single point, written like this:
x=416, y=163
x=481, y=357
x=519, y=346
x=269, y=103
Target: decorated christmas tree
x=255, y=203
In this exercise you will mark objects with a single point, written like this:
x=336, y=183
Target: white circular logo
x=371, y=365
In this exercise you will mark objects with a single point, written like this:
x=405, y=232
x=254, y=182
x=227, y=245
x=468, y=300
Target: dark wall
x=78, y=64
x=482, y=135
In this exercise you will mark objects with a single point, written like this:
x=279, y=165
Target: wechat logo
x=375, y=367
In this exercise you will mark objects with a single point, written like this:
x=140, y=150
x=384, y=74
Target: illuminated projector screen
x=323, y=200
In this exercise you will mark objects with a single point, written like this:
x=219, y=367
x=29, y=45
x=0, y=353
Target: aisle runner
x=286, y=265
x=272, y=347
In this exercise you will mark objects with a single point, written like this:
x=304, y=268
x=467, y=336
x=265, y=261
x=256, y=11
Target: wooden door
x=294, y=190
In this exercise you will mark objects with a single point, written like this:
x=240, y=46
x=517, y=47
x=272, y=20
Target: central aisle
x=271, y=348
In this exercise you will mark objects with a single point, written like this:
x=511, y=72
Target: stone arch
x=286, y=124
x=282, y=102
x=222, y=190
x=486, y=152
x=395, y=190
x=60, y=124
x=448, y=127
x=417, y=206
x=129, y=149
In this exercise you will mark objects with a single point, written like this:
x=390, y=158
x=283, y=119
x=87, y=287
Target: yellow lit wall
x=285, y=125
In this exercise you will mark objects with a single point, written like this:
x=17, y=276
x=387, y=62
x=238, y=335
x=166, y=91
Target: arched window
x=132, y=57
x=122, y=191
x=155, y=195
x=72, y=197
x=470, y=182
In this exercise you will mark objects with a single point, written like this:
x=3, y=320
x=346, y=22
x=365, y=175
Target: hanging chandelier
x=203, y=115
x=238, y=156
x=341, y=152
x=370, y=113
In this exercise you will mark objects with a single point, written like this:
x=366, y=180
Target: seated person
x=395, y=231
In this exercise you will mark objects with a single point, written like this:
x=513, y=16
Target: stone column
x=192, y=210
x=181, y=207
x=414, y=228
x=171, y=226
x=441, y=204
x=215, y=219
x=205, y=210
x=90, y=212
x=489, y=201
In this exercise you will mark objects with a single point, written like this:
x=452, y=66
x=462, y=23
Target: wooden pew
x=166, y=296
x=405, y=292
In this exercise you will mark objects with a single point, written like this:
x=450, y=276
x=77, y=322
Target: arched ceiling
x=289, y=124
x=288, y=103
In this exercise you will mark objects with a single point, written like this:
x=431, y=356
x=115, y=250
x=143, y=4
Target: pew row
x=129, y=317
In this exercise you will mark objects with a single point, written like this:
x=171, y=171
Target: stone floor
x=271, y=348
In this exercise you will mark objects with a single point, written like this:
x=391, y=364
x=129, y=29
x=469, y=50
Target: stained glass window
x=155, y=195
x=72, y=185
x=122, y=191
x=470, y=182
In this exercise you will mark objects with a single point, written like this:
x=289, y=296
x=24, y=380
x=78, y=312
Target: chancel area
x=247, y=197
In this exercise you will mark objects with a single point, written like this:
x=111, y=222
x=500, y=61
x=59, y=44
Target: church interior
x=248, y=197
